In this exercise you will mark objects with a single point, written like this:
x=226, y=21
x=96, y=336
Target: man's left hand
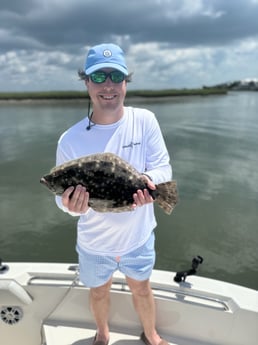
x=142, y=197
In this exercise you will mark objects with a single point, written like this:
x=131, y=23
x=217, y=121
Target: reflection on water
x=213, y=145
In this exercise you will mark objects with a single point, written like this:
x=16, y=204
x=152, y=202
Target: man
x=110, y=241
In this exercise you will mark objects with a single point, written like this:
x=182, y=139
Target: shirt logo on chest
x=131, y=145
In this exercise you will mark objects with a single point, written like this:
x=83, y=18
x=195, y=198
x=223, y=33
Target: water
x=213, y=145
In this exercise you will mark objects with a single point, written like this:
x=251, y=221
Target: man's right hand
x=76, y=199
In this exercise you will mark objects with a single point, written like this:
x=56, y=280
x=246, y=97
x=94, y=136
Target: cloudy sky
x=168, y=43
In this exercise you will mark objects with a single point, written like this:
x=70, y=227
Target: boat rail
x=181, y=293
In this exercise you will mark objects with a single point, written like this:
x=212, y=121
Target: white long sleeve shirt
x=136, y=138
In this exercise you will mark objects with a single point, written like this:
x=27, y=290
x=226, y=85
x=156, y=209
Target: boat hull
x=45, y=303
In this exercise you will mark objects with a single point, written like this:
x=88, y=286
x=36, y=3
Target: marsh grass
x=130, y=93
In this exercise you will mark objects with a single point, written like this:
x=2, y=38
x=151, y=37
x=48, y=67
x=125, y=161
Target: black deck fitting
x=181, y=276
x=3, y=268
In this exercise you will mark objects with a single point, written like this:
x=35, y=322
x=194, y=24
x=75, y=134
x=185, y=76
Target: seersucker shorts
x=96, y=270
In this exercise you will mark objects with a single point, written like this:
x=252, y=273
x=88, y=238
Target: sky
x=168, y=43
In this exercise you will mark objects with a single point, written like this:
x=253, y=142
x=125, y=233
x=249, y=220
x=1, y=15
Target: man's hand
x=143, y=197
x=76, y=199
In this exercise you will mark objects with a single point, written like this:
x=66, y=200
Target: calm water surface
x=213, y=146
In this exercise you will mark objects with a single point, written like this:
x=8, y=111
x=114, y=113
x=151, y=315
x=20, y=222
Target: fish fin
x=97, y=157
x=108, y=206
x=167, y=196
x=65, y=165
x=113, y=210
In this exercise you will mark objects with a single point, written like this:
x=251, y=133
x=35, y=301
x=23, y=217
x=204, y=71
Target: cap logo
x=107, y=53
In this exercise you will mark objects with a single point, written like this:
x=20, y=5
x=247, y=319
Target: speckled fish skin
x=110, y=181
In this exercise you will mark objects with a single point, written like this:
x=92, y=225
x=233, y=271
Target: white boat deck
x=63, y=335
x=67, y=335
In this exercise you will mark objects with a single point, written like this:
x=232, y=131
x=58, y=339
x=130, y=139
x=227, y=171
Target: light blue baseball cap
x=107, y=55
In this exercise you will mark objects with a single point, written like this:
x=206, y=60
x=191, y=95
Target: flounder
x=110, y=181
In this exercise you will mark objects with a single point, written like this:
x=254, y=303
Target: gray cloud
x=203, y=35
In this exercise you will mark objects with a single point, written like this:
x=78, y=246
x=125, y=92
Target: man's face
x=107, y=95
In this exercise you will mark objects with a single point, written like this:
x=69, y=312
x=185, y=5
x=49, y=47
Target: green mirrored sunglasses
x=99, y=77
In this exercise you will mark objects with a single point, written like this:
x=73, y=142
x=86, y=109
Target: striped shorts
x=96, y=270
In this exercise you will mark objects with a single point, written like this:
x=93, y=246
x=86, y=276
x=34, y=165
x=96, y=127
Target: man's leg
x=99, y=303
x=145, y=307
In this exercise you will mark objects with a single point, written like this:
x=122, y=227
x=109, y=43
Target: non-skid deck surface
x=62, y=335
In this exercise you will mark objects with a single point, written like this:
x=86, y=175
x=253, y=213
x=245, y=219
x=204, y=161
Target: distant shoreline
x=82, y=96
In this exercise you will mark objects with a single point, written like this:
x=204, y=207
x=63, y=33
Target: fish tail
x=166, y=196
